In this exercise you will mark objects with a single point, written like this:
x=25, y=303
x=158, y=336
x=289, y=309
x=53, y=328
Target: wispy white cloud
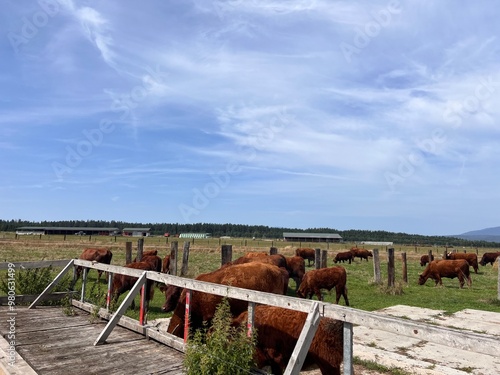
x=158, y=98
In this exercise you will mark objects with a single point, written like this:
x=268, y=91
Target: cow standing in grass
x=307, y=253
x=94, y=255
x=437, y=269
x=489, y=258
x=471, y=258
x=424, y=259
x=324, y=278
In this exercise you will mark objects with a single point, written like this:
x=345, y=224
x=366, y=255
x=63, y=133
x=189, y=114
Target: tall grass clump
x=220, y=349
x=34, y=281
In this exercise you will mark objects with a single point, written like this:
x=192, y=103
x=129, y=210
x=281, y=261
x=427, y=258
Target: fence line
x=474, y=342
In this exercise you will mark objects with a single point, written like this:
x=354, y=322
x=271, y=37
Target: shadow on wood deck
x=53, y=343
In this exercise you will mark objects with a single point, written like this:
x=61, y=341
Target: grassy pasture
x=205, y=256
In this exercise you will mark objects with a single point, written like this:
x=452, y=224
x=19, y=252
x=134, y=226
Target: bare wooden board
x=53, y=343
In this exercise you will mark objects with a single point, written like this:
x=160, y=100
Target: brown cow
x=172, y=295
x=360, y=253
x=279, y=329
x=296, y=267
x=489, y=258
x=471, y=258
x=424, y=259
x=324, y=278
x=256, y=276
x=94, y=255
x=123, y=283
x=344, y=256
x=306, y=253
x=165, y=268
x=256, y=254
x=146, y=254
x=155, y=262
x=276, y=259
x=446, y=268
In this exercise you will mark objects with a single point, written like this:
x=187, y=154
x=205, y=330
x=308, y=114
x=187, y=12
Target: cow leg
x=328, y=369
x=440, y=280
x=318, y=294
x=338, y=292
x=342, y=291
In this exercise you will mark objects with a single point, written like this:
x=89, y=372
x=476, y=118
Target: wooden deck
x=54, y=343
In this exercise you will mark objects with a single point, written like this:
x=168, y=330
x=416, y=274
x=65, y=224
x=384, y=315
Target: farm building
x=195, y=235
x=377, y=243
x=136, y=232
x=68, y=230
x=312, y=237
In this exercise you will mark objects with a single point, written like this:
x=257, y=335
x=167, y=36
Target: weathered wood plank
x=304, y=342
x=68, y=348
x=132, y=324
x=479, y=343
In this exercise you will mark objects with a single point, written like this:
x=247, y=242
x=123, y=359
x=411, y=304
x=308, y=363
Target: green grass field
x=205, y=256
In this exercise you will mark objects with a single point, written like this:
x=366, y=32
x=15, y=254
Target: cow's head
x=300, y=293
x=421, y=279
x=172, y=296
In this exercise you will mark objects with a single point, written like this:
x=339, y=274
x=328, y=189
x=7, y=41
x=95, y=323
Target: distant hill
x=487, y=234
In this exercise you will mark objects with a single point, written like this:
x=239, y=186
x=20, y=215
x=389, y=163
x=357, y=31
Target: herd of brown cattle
x=278, y=328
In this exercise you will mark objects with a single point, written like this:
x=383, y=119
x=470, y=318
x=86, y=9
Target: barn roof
x=69, y=228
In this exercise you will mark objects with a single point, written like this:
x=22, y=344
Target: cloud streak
x=306, y=113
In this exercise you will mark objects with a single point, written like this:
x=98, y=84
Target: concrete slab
x=421, y=357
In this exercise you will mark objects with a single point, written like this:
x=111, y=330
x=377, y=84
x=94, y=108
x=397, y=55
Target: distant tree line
x=250, y=231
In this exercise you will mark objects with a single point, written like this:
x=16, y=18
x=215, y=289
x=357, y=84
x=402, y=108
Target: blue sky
x=378, y=115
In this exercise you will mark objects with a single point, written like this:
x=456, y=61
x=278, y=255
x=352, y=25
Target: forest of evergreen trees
x=257, y=231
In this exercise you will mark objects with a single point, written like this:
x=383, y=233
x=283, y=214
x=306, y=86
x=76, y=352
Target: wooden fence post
x=174, y=246
x=140, y=249
x=317, y=258
x=405, y=268
x=128, y=252
x=430, y=256
x=226, y=254
x=376, y=267
x=273, y=251
x=324, y=259
x=185, y=257
x=391, y=274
